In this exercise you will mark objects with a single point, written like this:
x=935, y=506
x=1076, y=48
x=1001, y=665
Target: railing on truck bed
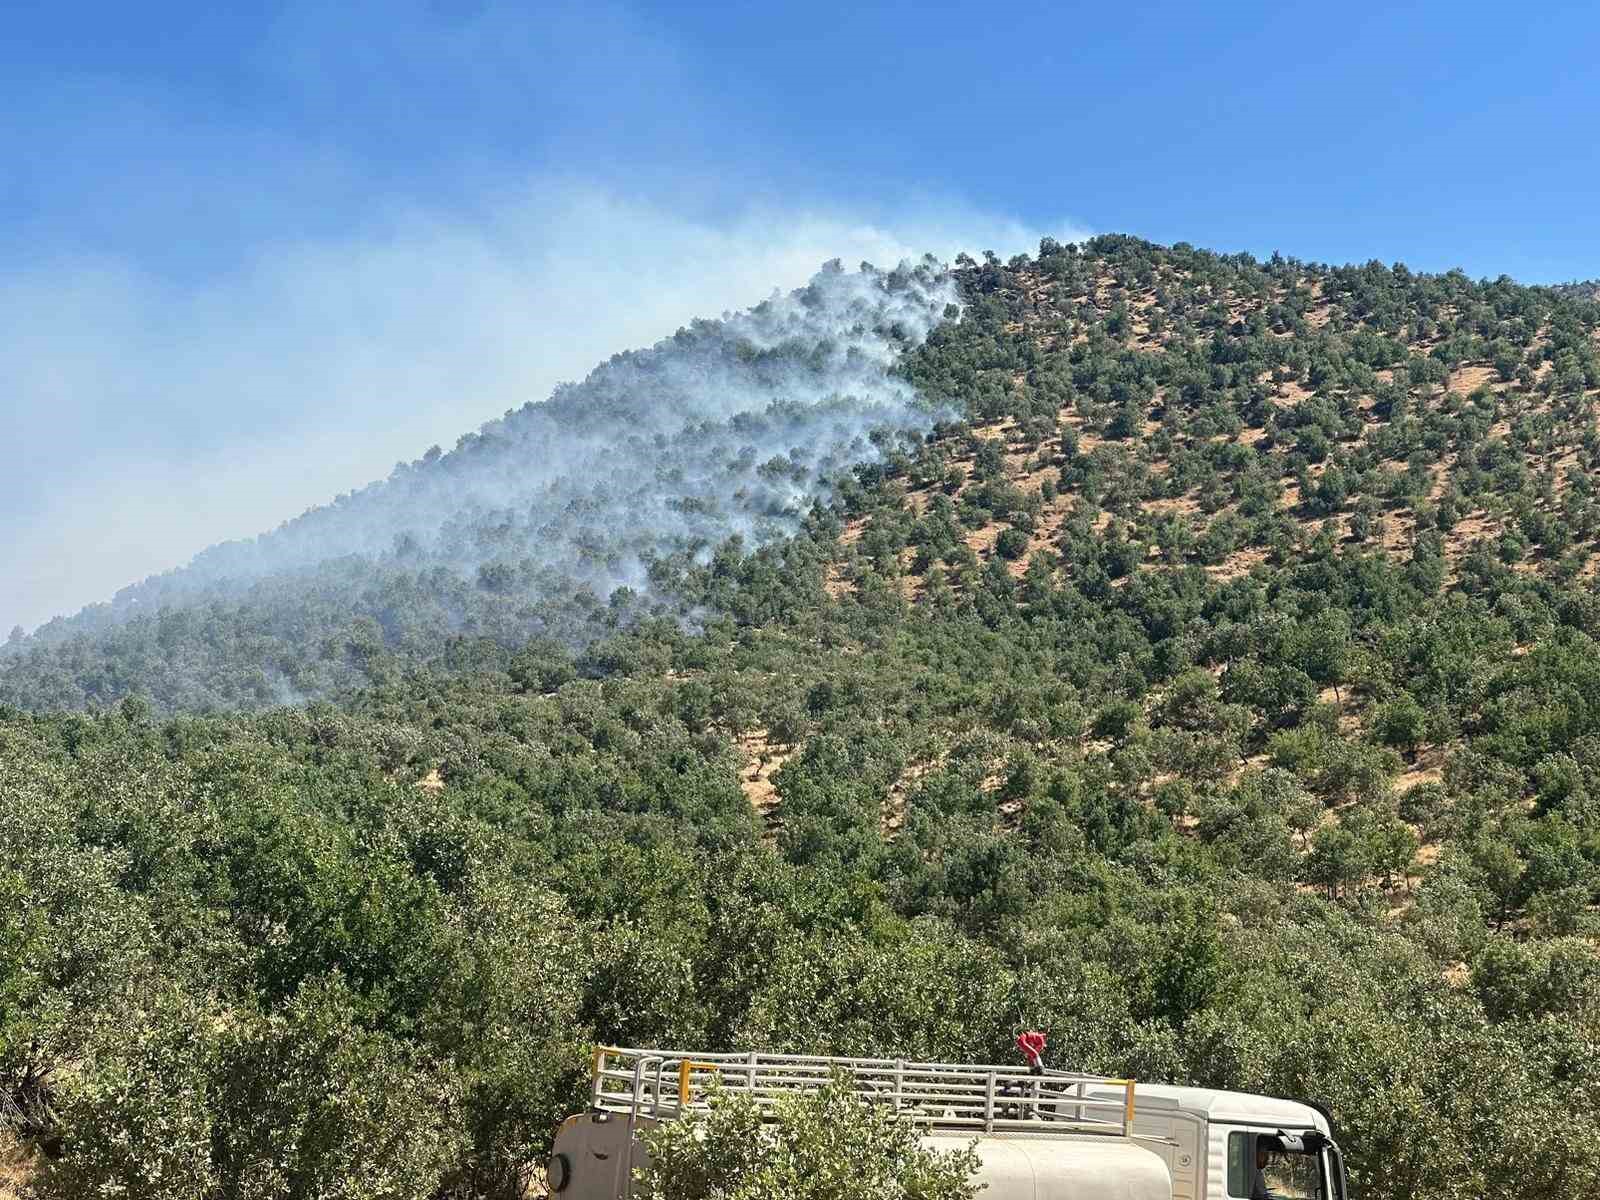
x=664, y=1084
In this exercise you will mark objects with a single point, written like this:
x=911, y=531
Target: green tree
x=1401, y=723
x=1339, y=859
x=825, y=1145
x=1012, y=544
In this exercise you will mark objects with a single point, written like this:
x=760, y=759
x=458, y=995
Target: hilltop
x=1199, y=659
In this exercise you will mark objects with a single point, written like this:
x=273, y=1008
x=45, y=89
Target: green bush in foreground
x=823, y=1146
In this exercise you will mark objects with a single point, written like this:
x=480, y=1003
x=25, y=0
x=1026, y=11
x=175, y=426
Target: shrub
x=1012, y=544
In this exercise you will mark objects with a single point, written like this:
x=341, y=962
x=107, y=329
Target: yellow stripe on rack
x=1127, y=1105
x=600, y=1053
x=685, y=1069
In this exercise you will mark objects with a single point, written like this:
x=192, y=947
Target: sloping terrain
x=1168, y=407
x=561, y=520
x=1212, y=680
x=1227, y=417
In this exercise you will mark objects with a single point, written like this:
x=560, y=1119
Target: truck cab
x=1054, y=1135
x=1211, y=1141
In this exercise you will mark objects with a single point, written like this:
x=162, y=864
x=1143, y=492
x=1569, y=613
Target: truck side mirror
x=1311, y=1141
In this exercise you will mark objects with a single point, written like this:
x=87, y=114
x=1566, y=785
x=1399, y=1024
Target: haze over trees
x=562, y=519
x=1192, y=656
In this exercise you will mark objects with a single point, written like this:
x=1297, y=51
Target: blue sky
x=253, y=254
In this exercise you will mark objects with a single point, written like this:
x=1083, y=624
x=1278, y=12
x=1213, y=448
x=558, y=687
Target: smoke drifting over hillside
x=730, y=427
x=726, y=428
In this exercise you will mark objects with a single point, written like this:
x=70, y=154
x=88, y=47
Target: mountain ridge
x=1109, y=334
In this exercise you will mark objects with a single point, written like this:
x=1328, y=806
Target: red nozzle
x=1031, y=1043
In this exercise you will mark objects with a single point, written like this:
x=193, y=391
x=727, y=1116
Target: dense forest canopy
x=1207, y=671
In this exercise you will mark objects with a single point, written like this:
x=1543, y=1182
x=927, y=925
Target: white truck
x=1039, y=1136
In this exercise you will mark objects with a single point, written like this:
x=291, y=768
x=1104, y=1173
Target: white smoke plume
x=155, y=416
x=729, y=427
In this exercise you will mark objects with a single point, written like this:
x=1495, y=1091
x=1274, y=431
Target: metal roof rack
x=665, y=1084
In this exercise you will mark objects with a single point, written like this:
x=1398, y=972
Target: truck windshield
x=1260, y=1167
x=1294, y=1176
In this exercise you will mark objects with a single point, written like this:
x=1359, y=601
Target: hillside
x=1202, y=664
x=1179, y=408
x=563, y=519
